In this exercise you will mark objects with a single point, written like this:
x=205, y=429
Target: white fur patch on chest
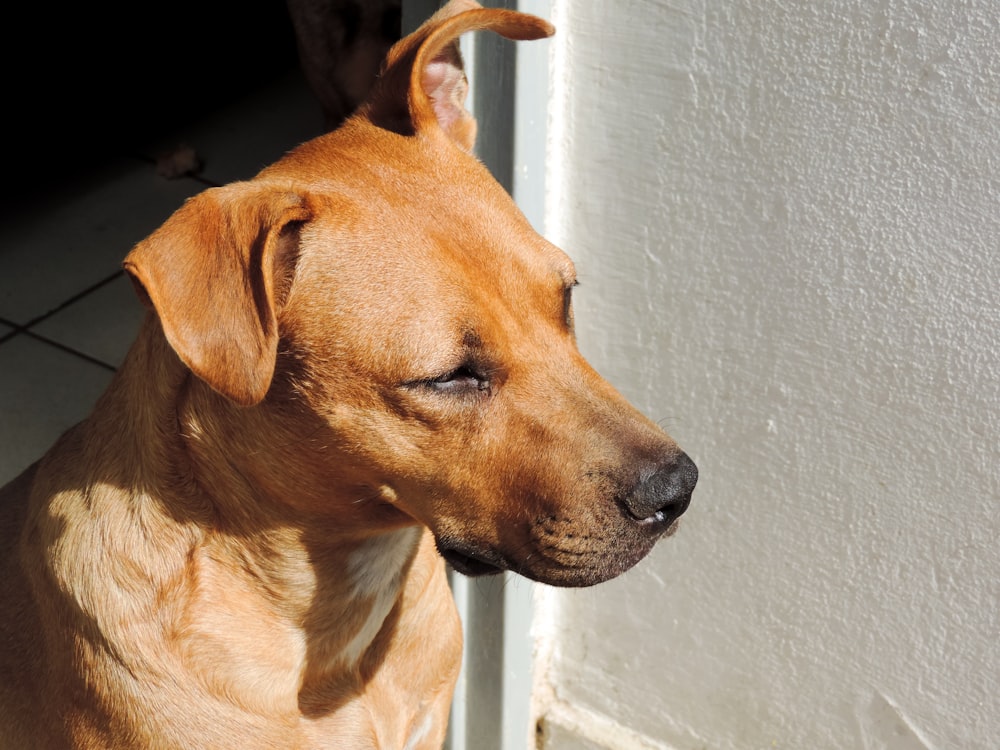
x=374, y=570
x=420, y=732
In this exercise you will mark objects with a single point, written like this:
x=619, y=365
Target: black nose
x=665, y=494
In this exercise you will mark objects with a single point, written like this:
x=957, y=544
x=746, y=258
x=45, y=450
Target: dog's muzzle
x=661, y=497
x=645, y=512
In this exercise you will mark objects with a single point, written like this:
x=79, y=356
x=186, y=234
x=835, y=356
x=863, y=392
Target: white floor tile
x=57, y=250
x=102, y=324
x=82, y=236
x=43, y=391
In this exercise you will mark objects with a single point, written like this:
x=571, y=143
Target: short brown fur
x=361, y=355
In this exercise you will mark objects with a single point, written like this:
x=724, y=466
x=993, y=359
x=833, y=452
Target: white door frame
x=509, y=96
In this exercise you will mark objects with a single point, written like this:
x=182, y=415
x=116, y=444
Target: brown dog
x=341, y=44
x=360, y=355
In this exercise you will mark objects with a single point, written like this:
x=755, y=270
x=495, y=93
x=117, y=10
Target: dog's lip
x=474, y=560
x=472, y=563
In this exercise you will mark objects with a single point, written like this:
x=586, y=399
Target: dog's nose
x=664, y=495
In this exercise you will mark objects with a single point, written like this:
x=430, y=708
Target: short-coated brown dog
x=357, y=365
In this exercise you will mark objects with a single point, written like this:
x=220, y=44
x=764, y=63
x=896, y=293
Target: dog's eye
x=460, y=380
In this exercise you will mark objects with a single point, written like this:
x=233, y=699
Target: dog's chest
x=375, y=572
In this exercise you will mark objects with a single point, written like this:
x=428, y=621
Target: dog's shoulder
x=20, y=627
x=13, y=507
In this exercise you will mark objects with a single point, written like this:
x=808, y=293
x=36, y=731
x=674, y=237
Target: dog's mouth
x=472, y=563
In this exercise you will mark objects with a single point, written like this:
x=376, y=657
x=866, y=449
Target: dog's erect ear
x=423, y=85
x=213, y=273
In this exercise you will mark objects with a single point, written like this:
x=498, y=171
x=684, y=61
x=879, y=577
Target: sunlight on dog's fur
x=356, y=366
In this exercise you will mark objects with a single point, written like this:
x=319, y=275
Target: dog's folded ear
x=422, y=87
x=214, y=273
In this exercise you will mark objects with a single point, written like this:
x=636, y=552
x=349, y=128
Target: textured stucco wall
x=786, y=217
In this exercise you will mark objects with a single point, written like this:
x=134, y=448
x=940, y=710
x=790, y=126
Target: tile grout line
x=65, y=348
x=20, y=330
x=63, y=305
x=25, y=328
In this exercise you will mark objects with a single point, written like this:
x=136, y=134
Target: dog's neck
x=219, y=458
x=324, y=613
x=325, y=583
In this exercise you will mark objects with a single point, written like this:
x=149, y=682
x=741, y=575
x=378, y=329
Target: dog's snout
x=664, y=495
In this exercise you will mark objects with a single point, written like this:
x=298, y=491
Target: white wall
x=786, y=217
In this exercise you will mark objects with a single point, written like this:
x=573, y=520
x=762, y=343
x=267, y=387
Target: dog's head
x=378, y=298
